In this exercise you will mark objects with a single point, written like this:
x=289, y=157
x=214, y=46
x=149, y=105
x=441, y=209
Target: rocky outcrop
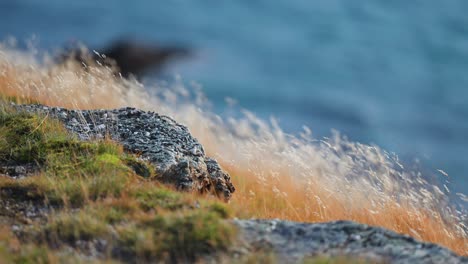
x=296, y=241
x=178, y=158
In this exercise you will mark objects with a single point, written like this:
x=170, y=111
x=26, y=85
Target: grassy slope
x=92, y=193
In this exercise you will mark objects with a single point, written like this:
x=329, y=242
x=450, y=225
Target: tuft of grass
x=70, y=228
x=24, y=137
x=114, y=211
x=29, y=189
x=176, y=236
x=151, y=198
x=190, y=234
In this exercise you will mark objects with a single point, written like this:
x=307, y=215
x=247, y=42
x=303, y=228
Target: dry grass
x=292, y=201
x=276, y=175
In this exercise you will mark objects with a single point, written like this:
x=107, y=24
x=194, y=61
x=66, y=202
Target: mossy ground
x=101, y=202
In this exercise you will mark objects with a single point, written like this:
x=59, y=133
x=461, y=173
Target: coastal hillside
x=94, y=185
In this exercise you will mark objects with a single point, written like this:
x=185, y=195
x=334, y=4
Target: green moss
x=73, y=157
x=109, y=159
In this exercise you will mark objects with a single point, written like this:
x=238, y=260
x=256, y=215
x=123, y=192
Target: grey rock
x=178, y=158
x=295, y=241
x=18, y=171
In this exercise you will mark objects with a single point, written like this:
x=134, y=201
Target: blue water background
x=393, y=73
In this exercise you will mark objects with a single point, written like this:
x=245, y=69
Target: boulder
x=178, y=158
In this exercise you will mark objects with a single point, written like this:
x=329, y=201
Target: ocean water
x=390, y=73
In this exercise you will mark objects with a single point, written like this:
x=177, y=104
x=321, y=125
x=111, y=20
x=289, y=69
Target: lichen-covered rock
x=296, y=241
x=178, y=158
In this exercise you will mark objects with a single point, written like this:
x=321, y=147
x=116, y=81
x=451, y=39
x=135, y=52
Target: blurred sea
x=391, y=73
